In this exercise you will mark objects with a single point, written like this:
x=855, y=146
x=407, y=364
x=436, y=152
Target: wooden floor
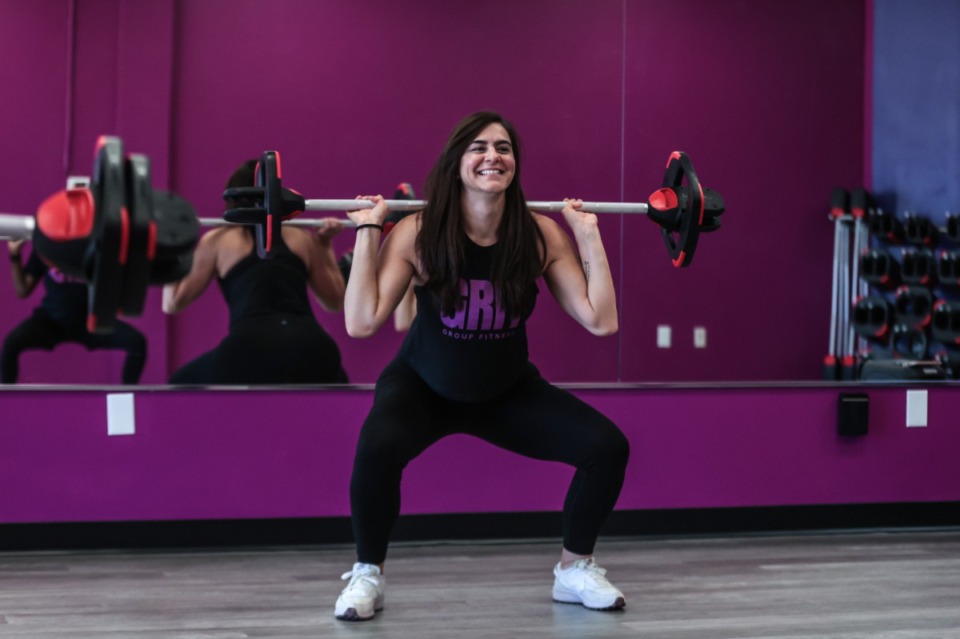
x=867, y=584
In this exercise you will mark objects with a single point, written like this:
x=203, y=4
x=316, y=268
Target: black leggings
x=533, y=419
x=40, y=331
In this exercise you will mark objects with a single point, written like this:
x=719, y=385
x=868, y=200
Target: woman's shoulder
x=220, y=234
x=548, y=226
x=294, y=234
x=410, y=221
x=406, y=229
x=300, y=241
x=226, y=245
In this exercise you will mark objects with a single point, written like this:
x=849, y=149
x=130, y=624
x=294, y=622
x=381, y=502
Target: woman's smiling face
x=488, y=165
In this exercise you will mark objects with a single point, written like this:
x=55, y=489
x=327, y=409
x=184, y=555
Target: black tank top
x=65, y=297
x=254, y=286
x=479, y=352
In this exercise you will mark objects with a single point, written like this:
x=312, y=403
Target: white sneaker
x=363, y=596
x=584, y=583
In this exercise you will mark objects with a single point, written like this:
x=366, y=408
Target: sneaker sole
x=351, y=614
x=619, y=604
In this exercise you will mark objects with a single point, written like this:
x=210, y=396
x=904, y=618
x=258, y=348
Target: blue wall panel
x=916, y=106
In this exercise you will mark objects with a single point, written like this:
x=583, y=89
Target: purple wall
x=274, y=454
x=766, y=97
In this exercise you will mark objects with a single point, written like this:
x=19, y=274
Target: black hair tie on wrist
x=370, y=226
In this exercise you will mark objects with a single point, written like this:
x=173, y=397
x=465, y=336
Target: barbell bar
x=14, y=227
x=306, y=222
x=639, y=208
x=418, y=205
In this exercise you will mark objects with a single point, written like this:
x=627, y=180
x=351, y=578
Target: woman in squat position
x=474, y=256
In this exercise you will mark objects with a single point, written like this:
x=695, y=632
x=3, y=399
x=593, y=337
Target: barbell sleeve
x=16, y=227
x=636, y=208
x=639, y=208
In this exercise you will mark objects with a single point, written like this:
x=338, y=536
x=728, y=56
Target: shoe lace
x=592, y=571
x=359, y=578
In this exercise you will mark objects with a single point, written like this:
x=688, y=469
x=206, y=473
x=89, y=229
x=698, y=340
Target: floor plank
x=850, y=585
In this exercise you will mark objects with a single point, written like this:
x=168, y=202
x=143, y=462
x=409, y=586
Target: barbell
x=682, y=207
x=120, y=236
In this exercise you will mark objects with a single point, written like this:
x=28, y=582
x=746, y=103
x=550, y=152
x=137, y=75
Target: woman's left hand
x=576, y=218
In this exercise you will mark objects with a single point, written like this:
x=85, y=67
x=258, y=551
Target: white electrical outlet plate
x=663, y=336
x=916, y=408
x=120, y=417
x=699, y=337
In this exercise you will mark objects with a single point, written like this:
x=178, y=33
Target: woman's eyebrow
x=499, y=142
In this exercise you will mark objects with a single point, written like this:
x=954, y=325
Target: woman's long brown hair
x=520, y=248
x=244, y=175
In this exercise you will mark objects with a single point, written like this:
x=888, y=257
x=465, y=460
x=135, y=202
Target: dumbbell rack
x=909, y=310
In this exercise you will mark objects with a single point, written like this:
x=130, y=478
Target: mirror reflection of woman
x=474, y=256
x=274, y=336
x=62, y=317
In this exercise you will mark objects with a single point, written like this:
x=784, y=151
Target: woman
x=474, y=255
x=274, y=337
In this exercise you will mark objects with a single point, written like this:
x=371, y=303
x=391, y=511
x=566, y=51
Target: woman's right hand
x=375, y=215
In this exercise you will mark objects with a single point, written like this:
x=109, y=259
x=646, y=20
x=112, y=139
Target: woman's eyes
x=503, y=149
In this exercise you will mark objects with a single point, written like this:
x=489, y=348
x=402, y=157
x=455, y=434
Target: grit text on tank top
x=480, y=351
